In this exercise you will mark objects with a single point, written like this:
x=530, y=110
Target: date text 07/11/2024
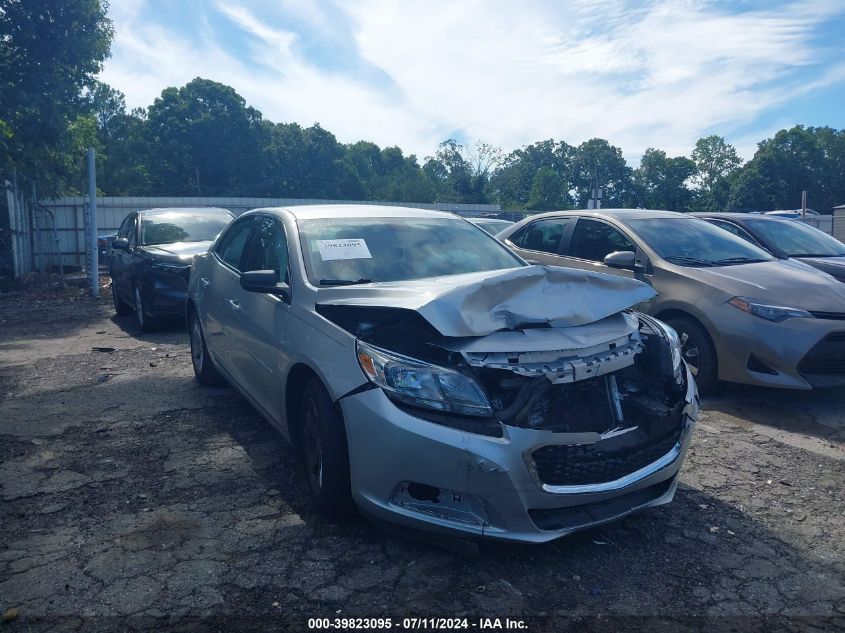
x=417, y=624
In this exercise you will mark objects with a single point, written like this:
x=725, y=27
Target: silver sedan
x=434, y=379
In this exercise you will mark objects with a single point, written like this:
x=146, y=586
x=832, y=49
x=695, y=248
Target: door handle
x=205, y=282
x=235, y=305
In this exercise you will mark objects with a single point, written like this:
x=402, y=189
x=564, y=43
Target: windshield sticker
x=331, y=250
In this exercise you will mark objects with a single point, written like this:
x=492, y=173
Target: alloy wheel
x=691, y=353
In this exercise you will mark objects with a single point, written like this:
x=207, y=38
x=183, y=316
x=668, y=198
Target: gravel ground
x=133, y=498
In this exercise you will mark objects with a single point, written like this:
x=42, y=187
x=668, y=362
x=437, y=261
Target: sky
x=648, y=73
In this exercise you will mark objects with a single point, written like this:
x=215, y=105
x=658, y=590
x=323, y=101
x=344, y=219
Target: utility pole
x=804, y=204
x=93, y=263
x=197, y=171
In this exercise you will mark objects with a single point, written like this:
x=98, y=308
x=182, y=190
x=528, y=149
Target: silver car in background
x=434, y=379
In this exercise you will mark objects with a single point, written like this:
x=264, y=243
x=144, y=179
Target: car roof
x=326, y=211
x=487, y=220
x=185, y=210
x=622, y=214
x=738, y=216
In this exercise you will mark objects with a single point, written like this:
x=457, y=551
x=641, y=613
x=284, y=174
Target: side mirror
x=621, y=259
x=265, y=281
x=120, y=243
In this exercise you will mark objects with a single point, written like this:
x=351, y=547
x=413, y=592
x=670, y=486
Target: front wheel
x=697, y=350
x=121, y=308
x=142, y=316
x=204, y=369
x=324, y=452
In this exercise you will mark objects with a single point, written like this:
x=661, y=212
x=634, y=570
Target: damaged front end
x=589, y=409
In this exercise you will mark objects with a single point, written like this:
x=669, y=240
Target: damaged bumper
x=529, y=485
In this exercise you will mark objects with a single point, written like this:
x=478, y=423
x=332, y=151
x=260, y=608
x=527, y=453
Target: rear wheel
x=324, y=452
x=697, y=350
x=146, y=322
x=121, y=308
x=204, y=369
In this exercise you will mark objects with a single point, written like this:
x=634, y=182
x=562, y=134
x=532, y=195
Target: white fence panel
x=70, y=223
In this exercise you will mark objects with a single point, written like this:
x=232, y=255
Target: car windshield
x=694, y=242
x=177, y=226
x=797, y=239
x=494, y=226
x=360, y=250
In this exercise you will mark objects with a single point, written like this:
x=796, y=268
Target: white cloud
x=657, y=74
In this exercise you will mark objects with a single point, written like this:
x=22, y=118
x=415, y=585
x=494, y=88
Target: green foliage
x=205, y=130
x=49, y=51
x=800, y=158
x=662, y=181
x=597, y=162
x=547, y=191
x=513, y=183
x=716, y=163
x=462, y=174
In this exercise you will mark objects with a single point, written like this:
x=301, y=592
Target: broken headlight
x=420, y=384
x=675, y=350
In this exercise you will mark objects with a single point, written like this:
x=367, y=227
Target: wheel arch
x=294, y=391
x=669, y=313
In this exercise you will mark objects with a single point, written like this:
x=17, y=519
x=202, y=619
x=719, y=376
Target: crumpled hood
x=182, y=250
x=782, y=281
x=478, y=304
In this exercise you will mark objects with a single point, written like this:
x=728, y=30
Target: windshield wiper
x=817, y=254
x=738, y=260
x=344, y=282
x=691, y=261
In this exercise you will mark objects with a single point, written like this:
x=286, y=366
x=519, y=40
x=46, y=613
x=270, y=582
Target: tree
x=662, y=181
x=462, y=174
x=49, y=51
x=206, y=140
x=797, y=159
x=598, y=163
x=513, y=181
x=547, y=191
x=716, y=163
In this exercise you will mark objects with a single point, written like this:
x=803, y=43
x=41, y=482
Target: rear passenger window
x=593, y=240
x=543, y=236
x=230, y=248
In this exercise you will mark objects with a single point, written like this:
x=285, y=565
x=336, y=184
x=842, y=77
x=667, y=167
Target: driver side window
x=230, y=248
x=268, y=248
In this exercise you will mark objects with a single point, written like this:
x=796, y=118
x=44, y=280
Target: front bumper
x=166, y=292
x=796, y=353
x=488, y=486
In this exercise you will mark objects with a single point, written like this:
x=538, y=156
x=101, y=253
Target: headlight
x=768, y=312
x=421, y=384
x=674, y=349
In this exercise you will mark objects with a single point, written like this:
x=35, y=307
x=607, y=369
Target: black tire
x=325, y=455
x=145, y=321
x=121, y=308
x=205, y=370
x=697, y=349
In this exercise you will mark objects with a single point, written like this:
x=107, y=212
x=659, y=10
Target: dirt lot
x=134, y=498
